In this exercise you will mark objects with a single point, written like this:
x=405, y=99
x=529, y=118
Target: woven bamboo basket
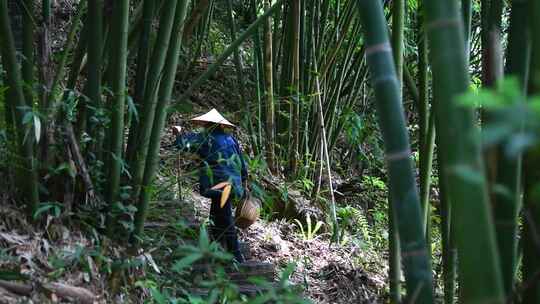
x=247, y=211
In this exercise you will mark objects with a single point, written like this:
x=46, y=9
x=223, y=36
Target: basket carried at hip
x=248, y=211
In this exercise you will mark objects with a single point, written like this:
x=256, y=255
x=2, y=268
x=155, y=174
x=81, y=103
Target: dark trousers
x=223, y=229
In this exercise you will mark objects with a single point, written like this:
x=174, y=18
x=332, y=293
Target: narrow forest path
x=326, y=273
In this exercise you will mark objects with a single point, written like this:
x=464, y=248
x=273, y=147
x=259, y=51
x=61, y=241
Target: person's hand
x=176, y=130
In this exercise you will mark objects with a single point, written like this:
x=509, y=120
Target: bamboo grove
x=303, y=68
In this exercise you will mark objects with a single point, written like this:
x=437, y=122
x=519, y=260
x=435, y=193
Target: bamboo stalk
x=394, y=269
x=143, y=57
x=165, y=94
x=45, y=51
x=449, y=252
x=118, y=86
x=28, y=49
x=269, y=87
x=241, y=83
x=531, y=201
x=492, y=71
x=466, y=11
x=325, y=154
x=479, y=265
x=508, y=206
x=74, y=72
x=93, y=68
x=52, y=95
x=19, y=106
x=228, y=51
x=295, y=87
x=403, y=190
x=259, y=66
x=52, y=103
x=194, y=18
x=427, y=128
x=159, y=54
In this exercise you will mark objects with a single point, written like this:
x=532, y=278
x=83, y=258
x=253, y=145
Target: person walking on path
x=222, y=166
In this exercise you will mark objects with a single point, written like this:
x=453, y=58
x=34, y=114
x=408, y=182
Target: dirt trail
x=329, y=274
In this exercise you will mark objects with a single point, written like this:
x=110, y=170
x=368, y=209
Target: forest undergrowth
x=70, y=251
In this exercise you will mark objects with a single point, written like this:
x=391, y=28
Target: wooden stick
x=17, y=288
x=79, y=161
x=82, y=295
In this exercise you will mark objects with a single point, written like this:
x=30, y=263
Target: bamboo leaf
x=27, y=118
x=37, y=128
x=187, y=261
x=132, y=109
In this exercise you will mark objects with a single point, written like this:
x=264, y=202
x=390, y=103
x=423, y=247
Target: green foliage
x=267, y=206
x=69, y=105
x=215, y=280
x=354, y=221
x=284, y=293
x=125, y=213
x=54, y=208
x=305, y=185
x=82, y=258
x=206, y=250
x=354, y=128
x=374, y=182
x=310, y=230
x=33, y=119
x=515, y=124
x=64, y=168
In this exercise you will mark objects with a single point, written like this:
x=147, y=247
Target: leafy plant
x=375, y=182
x=516, y=125
x=33, y=119
x=125, y=213
x=353, y=220
x=283, y=293
x=309, y=232
x=306, y=184
x=205, y=250
x=54, y=208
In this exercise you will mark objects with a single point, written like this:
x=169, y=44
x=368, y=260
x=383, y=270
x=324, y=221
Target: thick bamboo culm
x=403, y=191
x=472, y=221
x=118, y=84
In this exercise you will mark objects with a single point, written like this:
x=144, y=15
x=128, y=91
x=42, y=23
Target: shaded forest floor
x=66, y=255
x=328, y=274
x=69, y=251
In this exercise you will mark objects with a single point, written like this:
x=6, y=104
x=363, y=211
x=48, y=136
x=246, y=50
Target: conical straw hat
x=215, y=117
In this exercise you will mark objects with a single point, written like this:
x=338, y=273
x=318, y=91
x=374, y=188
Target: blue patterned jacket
x=221, y=160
